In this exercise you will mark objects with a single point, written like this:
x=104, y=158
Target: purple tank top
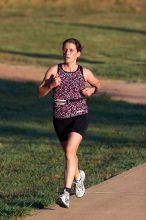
x=72, y=83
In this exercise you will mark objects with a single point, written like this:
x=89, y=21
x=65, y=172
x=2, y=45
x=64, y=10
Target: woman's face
x=70, y=53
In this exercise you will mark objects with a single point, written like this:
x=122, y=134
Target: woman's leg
x=70, y=148
x=77, y=173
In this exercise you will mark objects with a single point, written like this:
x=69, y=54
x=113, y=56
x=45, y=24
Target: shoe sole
x=61, y=203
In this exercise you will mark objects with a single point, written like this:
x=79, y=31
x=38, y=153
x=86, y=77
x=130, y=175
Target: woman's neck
x=70, y=67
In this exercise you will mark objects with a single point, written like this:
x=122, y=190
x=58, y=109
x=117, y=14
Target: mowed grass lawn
x=114, y=42
x=31, y=159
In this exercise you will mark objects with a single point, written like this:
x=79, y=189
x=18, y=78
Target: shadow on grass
x=25, y=135
x=25, y=117
x=114, y=141
x=103, y=27
x=118, y=118
x=30, y=179
x=46, y=56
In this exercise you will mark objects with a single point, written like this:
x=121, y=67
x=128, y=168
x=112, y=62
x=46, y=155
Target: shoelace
x=79, y=184
x=66, y=197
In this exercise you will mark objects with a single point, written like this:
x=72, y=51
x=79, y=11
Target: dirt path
x=118, y=89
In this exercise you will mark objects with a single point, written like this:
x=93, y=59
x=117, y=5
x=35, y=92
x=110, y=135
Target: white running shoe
x=63, y=200
x=80, y=188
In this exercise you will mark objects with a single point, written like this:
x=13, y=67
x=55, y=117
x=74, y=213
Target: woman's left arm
x=92, y=80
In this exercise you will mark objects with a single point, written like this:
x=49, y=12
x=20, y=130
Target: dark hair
x=75, y=42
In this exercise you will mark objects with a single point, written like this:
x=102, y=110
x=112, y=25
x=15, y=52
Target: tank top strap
x=59, y=67
x=81, y=69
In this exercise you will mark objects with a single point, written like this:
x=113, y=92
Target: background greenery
x=113, y=36
x=112, y=33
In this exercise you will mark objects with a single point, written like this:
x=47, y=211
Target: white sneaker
x=63, y=200
x=80, y=188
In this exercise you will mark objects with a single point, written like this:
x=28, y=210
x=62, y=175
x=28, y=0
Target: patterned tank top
x=72, y=83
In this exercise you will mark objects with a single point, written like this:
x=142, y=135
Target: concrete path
x=120, y=198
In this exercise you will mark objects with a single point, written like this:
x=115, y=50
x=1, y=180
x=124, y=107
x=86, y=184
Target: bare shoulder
x=87, y=73
x=91, y=78
x=51, y=71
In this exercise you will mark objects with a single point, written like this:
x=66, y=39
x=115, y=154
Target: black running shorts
x=63, y=126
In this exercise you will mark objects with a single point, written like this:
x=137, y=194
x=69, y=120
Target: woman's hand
x=55, y=81
x=48, y=85
x=52, y=82
x=88, y=91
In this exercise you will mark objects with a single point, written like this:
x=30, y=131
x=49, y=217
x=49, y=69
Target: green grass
x=114, y=42
x=32, y=160
x=31, y=168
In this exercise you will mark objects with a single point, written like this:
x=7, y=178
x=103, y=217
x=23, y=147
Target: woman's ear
x=79, y=54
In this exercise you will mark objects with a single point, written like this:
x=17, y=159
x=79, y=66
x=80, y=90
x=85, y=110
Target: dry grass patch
x=83, y=4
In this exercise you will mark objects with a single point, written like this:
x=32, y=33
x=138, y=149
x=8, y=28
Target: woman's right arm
x=50, y=81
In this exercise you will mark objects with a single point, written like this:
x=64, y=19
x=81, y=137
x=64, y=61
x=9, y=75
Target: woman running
x=70, y=111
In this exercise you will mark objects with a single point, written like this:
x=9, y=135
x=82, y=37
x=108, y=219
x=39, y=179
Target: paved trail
x=120, y=198
x=118, y=89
